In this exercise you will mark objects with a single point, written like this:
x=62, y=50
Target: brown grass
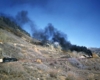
x=95, y=55
x=11, y=68
x=73, y=76
x=53, y=73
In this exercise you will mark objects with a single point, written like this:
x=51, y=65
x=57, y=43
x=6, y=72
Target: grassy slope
x=17, y=44
x=72, y=69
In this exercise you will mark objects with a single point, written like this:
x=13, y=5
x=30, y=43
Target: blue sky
x=79, y=19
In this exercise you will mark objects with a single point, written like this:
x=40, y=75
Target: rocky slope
x=37, y=62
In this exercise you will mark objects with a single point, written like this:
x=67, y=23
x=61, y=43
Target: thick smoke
x=45, y=34
x=52, y=34
x=62, y=39
x=22, y=19
x=49, y=33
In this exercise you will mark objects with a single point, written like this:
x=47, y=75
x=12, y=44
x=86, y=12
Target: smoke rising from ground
x=22, y=19
x=49, y=33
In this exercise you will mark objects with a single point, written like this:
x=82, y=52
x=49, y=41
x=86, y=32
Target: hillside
x=41, y=62
x=95, y=50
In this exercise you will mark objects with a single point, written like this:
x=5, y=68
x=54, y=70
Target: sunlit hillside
x=38, y=61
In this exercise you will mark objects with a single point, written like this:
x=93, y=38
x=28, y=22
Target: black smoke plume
x=62, y=39
x=81, y=49
x=22, y=17
x=50, y=33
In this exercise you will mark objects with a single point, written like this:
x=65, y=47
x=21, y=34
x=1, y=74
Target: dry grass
x=73, y=76
x=72, y=69
x=5, y=36
x=95, y=55
x=9, y=71
x=11, y=68
x=10, y=51
x=53, y=74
